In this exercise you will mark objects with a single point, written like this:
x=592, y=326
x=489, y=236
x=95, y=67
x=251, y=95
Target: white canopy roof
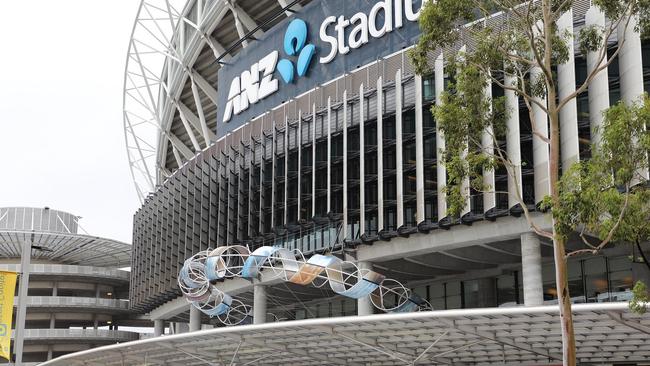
x=68, y=248
x=518, y=336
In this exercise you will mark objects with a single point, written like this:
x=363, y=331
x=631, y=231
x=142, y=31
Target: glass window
x=454, y=300
x=595, y=270
x=620, y=279
x=429, y=87
x=437, y=294
x=506, y=290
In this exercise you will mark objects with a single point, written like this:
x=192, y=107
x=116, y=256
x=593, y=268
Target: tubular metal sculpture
x=200, y=272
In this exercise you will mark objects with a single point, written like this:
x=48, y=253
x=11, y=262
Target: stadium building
x=301, y=124
x=77, y=296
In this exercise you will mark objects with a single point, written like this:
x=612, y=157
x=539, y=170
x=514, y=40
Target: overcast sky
x=61, y=138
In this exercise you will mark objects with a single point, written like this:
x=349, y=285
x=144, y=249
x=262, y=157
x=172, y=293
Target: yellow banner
x=7, y=289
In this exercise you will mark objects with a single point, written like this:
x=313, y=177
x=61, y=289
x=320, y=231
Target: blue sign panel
x=324, y=40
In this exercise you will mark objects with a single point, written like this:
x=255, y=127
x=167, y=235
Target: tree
x=520, y=53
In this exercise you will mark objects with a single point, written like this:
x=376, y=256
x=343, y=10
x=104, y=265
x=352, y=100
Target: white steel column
x=313, y=161
x=599, y=86
x=630, y=63
x=399, y=159
x=380, y=154
x=441, y=173
x=531, y=268
x=487, y=142
x=299, y=147
x=329, y=155
x=159, y=327
x=259, y=304
x=195, y=319
x=364, y=304
x=274, y=146
x=286, y=170
x=465, y=185
x=362, y=164
x=513, y=142
x=419, y=151
x=260, y=210
x=344, y=231
x=566, y=76
x=19, y=333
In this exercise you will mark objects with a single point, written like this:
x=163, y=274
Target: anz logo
x=294, y=44
x=259, y=82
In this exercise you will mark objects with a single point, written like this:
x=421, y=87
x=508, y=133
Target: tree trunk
x=561, y=278
x=564, y=302
x=559, y=241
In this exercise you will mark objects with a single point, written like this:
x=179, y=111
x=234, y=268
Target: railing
x=81, y=334
x=66, y=269
x=77, y=302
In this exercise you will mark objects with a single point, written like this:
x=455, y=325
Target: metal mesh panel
x=391, y=65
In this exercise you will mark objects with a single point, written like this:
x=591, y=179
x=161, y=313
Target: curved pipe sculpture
x=200, y=272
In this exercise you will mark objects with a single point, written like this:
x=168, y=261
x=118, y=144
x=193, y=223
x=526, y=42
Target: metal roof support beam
x=618, y=317
x=246, y=19
x=180, y=147
x=370, y=343
x=422, y=355
x=494, y=338
x=205, y=86
x=186, y=124
x=199, y=123
x=284, y=4
x=283, y=348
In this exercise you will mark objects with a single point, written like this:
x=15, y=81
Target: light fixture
x=109, y=294
x=109, y=322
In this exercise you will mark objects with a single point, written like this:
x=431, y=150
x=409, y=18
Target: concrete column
x=540, y=147
x=487, y=143
x=364, y=305
x=531, y=268
x=439, y=75
x=630, y=63
x=159, y=327
x=513, y=142
x=52, y=321
x=95, y=323
x=50, y=352
x=259, y=304
x=566, y=75
x=195, y=319
x=399, y=158
x=55, y=289
x=97, y=292
x=599, y=87
x=182, y=328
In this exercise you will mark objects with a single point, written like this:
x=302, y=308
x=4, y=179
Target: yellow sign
x=7, y=289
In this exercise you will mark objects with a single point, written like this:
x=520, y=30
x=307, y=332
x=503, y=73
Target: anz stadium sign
x=324, y=40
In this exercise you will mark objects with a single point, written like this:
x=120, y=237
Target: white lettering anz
x=364, y=26
x=248, y=89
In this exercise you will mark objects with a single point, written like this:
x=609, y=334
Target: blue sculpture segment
x=200, y=273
